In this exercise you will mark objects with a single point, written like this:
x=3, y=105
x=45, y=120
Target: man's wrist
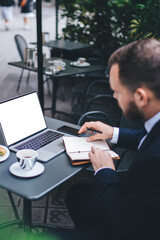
x=101, y=169
x=115, y=136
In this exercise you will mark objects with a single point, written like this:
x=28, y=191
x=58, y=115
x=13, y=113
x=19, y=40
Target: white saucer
x=17, y=171
x=78, y=64
x=3, y=158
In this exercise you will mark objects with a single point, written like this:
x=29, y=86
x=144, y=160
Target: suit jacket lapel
x=139, y=161
x=155, y=131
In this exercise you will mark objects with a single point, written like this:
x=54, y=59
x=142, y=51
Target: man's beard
x=133, y=113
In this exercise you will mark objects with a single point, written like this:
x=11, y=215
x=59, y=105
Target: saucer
x=17, y=171
x=3, y=158
x=78, y=64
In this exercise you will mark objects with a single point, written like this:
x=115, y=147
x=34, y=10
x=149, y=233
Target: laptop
x=23, y=126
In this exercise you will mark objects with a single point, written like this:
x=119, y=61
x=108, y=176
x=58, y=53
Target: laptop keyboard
x=40, y=141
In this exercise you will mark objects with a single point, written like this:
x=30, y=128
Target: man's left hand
x=100, y=159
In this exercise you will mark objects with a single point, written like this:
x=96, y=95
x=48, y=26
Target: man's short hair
x=139, y=65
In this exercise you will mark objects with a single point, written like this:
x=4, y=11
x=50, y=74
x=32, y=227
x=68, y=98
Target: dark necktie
x=142, y=134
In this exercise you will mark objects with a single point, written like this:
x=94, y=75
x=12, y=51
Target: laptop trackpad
x=50, y=151
x=44, y=155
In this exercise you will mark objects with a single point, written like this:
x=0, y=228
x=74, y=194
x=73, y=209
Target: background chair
x=21, y=46
x=89, y=87
x=98, y=97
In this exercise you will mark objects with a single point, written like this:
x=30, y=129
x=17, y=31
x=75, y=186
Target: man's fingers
x=94, y=137
x=90, y=154
x=86, y=126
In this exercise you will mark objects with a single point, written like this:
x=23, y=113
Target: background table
x=57, y=171
x=66, y=48
x=69, y=71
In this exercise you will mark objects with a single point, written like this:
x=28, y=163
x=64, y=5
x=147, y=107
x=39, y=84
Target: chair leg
x=27, y=81
x=20, y=79
x=48, y=86
x=63, y=92
x=49, y=92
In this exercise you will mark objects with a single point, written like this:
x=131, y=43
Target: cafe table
x=57, y=171
x=70, y=70
x=66, y=45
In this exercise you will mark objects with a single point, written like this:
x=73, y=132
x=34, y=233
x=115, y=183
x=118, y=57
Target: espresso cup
x=26, y=159
x=81, y=59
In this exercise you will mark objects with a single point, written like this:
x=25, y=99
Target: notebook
x=77, y=149
x=22, y=121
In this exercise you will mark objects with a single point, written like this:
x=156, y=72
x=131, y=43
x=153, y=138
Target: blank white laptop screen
x=21, y=117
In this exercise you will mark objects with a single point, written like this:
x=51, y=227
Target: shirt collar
x=151, y=122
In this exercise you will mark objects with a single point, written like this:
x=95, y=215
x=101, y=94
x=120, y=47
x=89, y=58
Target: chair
x=90, y=86
x=94, y=57
x=98, y=97
x=103, y=108
x=21, y=46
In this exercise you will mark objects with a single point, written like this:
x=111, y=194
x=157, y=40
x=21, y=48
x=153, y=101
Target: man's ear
x=141, y=97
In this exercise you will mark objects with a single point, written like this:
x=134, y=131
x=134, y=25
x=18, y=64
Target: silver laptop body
x=22, y=119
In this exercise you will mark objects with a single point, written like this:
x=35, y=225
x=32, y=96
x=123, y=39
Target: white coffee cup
x=26, y=159
x=81, y=59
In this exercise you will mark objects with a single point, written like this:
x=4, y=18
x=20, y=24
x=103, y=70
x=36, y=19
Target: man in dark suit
x=107, y=209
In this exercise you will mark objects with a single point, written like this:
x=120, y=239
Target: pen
x=90, y=129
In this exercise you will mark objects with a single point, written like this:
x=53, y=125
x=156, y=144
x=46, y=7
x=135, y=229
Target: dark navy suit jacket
x=131, y=211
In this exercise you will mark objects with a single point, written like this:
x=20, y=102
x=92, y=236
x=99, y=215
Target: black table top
x=69, y=70
x=56, y=172
x=66, y=45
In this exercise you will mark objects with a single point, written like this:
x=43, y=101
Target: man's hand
x=100, y=159
x=107, y=131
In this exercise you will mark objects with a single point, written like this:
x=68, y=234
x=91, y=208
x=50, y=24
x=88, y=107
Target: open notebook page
x=80, y=144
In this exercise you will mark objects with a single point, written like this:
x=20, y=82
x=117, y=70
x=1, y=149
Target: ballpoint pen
x=94, y=130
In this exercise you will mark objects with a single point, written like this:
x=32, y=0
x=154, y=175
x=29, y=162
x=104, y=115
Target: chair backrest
x=21, y=45
x=102, y=108
x=97, y=87
x=94, y=116
x=108, y=104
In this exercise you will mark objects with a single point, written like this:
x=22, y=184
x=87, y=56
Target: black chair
x=87, y=101
x=91, y=85
x=98, y=96
x=21, y=46
x=94, y=57
x=104, y=104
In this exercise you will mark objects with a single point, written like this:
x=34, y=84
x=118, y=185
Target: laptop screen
x=21, y=117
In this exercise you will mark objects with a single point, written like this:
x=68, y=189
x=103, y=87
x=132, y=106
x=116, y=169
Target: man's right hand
x=107, y=131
